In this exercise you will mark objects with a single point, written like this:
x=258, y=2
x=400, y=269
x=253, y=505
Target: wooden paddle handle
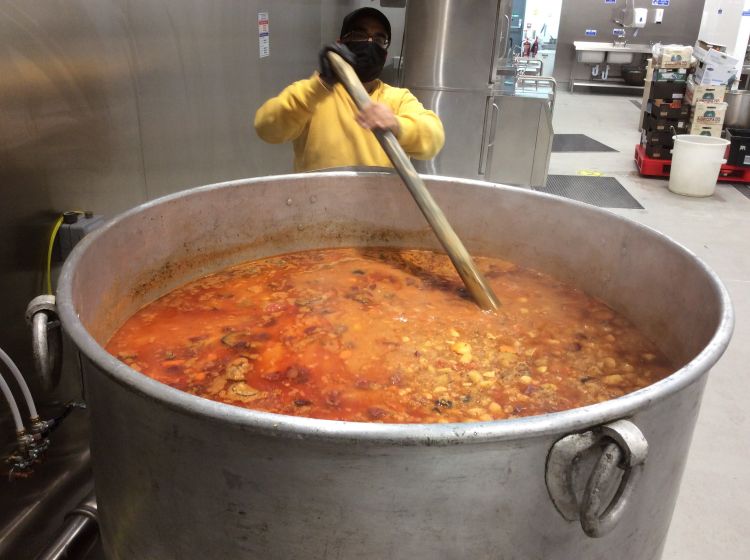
x=467, y=270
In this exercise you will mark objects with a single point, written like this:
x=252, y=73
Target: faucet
x=623, y=39
x=620, y=41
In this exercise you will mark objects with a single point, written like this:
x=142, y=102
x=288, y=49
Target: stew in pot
x=386, y=335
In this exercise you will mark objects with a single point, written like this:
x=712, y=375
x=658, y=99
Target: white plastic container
x=696, y=161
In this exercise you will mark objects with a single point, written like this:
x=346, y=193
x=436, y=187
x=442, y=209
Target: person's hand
x=378, y=116
x=326, y=70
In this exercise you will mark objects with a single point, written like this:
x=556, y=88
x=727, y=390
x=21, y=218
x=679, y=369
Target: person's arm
x=284, y=117
x=420, y=133
x=418, y=130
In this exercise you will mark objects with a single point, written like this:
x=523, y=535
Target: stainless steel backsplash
x=105, y=104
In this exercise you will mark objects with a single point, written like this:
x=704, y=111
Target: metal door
x=465, y=119
x=452, y=44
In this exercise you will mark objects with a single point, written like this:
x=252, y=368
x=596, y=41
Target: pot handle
x=622, y=450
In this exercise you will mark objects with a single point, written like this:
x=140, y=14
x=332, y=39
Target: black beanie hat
x=351, y=18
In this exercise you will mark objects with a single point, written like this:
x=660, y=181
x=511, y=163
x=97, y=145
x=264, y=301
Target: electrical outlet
x=75, y=227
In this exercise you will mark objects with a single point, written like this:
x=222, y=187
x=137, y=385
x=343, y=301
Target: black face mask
x=370, y=59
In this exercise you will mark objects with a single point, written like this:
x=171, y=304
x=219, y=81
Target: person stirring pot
x=320, y=119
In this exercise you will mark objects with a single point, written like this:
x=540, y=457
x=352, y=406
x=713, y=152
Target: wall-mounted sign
x=264, y=40
x=618, y=32
x=746, y=13
x=660, y=3
x=610, y=1
x=591, y=33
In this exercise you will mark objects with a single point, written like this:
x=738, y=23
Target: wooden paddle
x=467, y=270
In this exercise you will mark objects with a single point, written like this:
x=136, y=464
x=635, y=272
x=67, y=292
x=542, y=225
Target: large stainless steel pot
x=738, y=109
x=178, y=476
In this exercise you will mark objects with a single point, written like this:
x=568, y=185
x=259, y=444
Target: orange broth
x=386, y=335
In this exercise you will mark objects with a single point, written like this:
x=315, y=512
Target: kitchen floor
x=713, y=508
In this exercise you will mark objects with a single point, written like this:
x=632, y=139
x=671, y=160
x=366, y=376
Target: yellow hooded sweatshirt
x=322, y=124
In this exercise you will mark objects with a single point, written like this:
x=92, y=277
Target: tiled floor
x=712, y=519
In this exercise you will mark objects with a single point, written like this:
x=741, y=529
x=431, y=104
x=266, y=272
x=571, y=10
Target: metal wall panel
x=200, y=80
x=681, y=22
x=105, y=104
x=69, y=139
x=69, y=136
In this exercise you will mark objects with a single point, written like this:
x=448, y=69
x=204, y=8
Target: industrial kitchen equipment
x=498, y=127
x=179, y=476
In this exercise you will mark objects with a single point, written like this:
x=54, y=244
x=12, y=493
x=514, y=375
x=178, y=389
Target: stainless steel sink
x=615, y=53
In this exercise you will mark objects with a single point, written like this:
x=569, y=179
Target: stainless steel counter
x=611, y=46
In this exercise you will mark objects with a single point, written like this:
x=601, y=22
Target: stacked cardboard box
x=672, y=56
x=714, y=67
x=706, y=89
x=666, y=112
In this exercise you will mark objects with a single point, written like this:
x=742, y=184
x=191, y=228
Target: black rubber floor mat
x=578, y=143
x=744, y=189
x=636, y=103
x=605, y=192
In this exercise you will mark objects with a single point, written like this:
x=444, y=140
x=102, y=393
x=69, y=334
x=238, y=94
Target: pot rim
x=272, y=424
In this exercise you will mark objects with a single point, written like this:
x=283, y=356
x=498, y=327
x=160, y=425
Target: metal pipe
x=39, y=341
x=5, y=389
x=46, y=340
x=21, y=383
x=475, y=283
x=78, y=534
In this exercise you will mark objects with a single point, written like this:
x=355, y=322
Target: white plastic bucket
x=696, y=161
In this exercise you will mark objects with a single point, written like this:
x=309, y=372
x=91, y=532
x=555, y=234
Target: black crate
x=739, y=147
x=654, y=138
x=661, y=109
x=670, y=91
x=678, y=126
x=658, y=152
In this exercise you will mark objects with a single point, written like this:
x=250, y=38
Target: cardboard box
x=670, y=74
x=706, y=130
x=708, y=113
x=713, y=75
x=701, y=54
x=715, y=67
x=717, y=59
x=673, y=126
x=662, y=109
x=739, y=147
x=704, y=46
x=711, y=93
x=672, y=56
x=668, y=90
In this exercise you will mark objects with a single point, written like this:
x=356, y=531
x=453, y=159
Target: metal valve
x=32, y=444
